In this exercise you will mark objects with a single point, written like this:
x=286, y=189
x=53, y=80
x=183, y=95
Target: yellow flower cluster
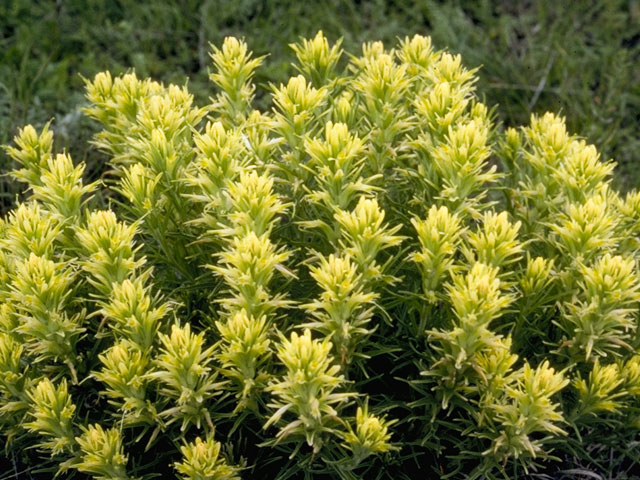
x=367, y=276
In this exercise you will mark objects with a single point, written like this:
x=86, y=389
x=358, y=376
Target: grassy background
x=580, y=58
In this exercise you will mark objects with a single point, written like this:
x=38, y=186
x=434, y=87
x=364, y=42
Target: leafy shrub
x=368, y=280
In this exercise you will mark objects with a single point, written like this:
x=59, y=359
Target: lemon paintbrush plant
x=369, y=279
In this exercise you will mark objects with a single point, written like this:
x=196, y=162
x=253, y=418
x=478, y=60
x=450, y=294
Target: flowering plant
x=368, y=279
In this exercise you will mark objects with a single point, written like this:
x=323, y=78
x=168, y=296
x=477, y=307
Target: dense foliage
x=536, y=56
x=366, y=280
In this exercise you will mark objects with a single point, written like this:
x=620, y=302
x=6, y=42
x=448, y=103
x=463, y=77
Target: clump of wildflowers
x=365, y=277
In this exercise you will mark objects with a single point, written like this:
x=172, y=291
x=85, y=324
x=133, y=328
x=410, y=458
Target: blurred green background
x=580, y=58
